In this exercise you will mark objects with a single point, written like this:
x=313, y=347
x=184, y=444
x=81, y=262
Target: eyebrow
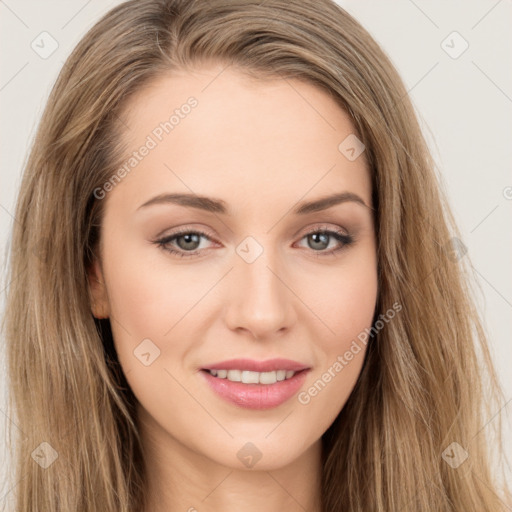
x=215, y=205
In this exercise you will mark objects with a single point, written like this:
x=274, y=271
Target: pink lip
x=255, y=396
x=258, y=366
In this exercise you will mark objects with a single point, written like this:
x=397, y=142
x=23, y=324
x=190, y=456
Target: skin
x=262, y=147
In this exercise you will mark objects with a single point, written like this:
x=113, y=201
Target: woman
x=315, y=347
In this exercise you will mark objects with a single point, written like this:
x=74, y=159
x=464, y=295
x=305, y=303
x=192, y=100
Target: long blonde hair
x=427, y=380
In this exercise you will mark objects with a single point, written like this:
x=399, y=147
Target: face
x=214, y=247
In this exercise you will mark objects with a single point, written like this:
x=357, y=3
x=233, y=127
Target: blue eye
x=188, y=237
x=323, y=237
x=186, y=243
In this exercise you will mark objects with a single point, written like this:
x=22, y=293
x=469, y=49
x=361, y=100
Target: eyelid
x=325, y=227
x=186, y=229
x=204, y=231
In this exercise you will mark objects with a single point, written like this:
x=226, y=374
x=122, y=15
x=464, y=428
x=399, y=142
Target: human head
x=254, y=288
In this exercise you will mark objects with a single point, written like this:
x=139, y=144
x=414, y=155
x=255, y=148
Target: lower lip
x=256, y=396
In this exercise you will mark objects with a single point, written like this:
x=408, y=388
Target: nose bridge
x=261, y=302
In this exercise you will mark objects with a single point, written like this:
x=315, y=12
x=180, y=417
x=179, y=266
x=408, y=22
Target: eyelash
x=164, y=242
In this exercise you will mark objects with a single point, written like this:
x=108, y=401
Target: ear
x=98, y=291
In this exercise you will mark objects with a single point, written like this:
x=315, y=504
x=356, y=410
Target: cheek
x=151, y=301
x=345, y=303
x=342, y=297
x=151, y=313
x=148, y=295
x=350, y=302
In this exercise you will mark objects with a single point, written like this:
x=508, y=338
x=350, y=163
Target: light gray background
x=464, y=105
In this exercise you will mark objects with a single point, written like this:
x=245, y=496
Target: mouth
x=254, y=390
x=252, y=377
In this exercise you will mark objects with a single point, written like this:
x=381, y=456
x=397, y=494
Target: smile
x=255, y=390
x=248, y=377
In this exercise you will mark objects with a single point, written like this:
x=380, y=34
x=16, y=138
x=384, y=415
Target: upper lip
x=258, y=366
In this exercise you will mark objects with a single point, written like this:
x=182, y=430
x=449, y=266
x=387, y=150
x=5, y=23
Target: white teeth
x=281, y=374
x=248, y=377
x=268, y=377
x=234, y=375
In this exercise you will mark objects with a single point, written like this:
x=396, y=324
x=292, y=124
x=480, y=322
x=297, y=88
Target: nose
x=261, y=300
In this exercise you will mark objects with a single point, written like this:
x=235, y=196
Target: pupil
x=189, y=238
x=323, y=242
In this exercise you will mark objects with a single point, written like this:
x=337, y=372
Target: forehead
x=242, y=137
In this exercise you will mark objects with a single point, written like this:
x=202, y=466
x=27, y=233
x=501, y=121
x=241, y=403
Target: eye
x=186, y=243
x=319, y=239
